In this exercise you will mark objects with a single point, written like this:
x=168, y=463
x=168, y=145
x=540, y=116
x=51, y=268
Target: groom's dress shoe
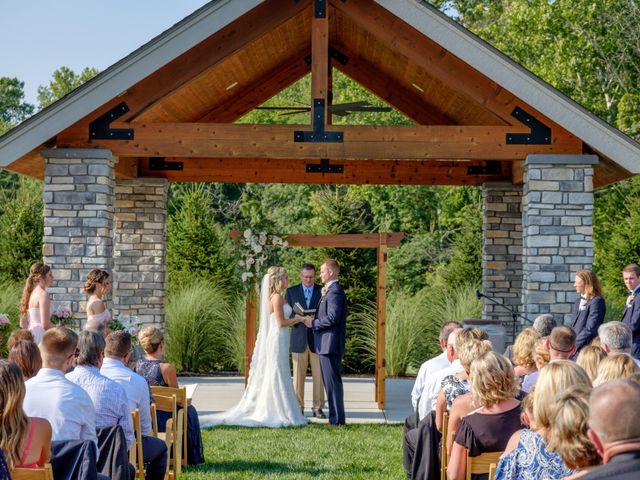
x=318, y=413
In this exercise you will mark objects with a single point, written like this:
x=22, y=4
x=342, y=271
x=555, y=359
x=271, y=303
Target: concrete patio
x=215, y=394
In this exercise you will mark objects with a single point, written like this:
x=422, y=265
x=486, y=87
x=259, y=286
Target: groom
x=329, y=331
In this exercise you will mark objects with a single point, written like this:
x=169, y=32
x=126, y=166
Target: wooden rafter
x=360, y=142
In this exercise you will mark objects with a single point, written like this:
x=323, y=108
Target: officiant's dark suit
x=585, y=322
x=307, y=294
x=329, y=332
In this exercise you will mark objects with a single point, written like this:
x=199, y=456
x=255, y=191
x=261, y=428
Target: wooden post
x=250, y=332
x=319, y=59
x=381, y=317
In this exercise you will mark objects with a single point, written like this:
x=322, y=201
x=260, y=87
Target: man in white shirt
x=50, y=395
x=428, y=368
x=114, y=366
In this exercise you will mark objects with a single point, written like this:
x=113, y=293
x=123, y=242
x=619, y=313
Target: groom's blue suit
x=329, y=332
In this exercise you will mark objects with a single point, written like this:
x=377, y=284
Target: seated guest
x=615, y=338
x=493, y=389
x=26, y=355
x=589, y=358
x=455, y=385
x=541, y=357
x=615, y=431
x=17, y=335
x=50, y=395
x=527, y=455
x=158, y=372
x=108, y=397
x=569, y=431
x=543, y=324
x=524, y=353
x=114, y=366
x=615, y=367
x=561, y=343
x=26, y=442
x=589, y=309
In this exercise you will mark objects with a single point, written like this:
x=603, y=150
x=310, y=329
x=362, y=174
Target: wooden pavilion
x=166, y=113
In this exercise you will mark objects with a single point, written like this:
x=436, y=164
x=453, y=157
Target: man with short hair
x=108, y=397
x=614, y=430
x=561, y=343
x=303, y=353
x=544, y=324
x=114, y=366
x=615, y=339
x=428, y=368
x=50, y=395
x=631, y=315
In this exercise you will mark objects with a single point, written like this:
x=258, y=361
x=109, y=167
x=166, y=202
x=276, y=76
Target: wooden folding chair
x=492, y=470
x=43, y=473
x=135, y=452
x=173, y=432
x=443, y=449
x=481, y=463
x=181, y=397
x=154, y=420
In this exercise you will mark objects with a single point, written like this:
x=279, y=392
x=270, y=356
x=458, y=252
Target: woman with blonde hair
x=524, y=352
x=541, y=356
x=26, y=442
x=589, y=309
x=487, y=429
x=527, y=455
x=35, y=306
x=156, y=371
x=589, y=358
x=97, y=285
x=269, y=399
x=615, y=367
x=568, y=432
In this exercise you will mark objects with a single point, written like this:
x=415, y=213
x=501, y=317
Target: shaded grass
x=316, y=451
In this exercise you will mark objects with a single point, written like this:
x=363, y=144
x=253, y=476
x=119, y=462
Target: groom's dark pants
x=331, y=367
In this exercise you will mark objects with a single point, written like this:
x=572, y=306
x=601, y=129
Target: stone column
x=140, y=249
x=502, y=251
x=78, y=220
x=557, y=230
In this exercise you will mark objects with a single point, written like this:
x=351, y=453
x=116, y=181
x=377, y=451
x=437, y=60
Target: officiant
x=307, y=295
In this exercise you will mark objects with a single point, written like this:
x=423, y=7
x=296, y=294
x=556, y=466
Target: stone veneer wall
x=558, y=230
x=502, y=252
x=140, y=249
x=78, y=220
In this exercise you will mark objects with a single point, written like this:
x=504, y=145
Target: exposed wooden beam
x=360, y=142
x=390, y=90
x=434, y=59
x=320, y=54
x=374, y=172
x=340, y=240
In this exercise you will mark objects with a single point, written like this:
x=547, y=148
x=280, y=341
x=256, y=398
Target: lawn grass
x=315, y=451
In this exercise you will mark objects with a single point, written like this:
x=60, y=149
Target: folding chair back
x=135, y=452
x=43, y=473
x=443, y=449
x=183, y=403
x=173, y=432
x=481, y=464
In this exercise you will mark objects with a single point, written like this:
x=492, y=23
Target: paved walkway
x=215, y=394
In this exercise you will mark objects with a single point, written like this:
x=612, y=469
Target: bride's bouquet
x=63, y=316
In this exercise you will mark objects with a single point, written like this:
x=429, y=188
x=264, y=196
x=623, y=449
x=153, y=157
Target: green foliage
x=355, y=452
x=22, y=222
x=13, y=108
x=10, y=295
x=64, y=81
x=196, y=314
x=196, y=242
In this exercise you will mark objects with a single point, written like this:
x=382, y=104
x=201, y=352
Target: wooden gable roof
x=183, y=89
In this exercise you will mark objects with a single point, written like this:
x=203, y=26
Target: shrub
x=10, y=294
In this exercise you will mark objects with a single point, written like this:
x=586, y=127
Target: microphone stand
x=514, y=313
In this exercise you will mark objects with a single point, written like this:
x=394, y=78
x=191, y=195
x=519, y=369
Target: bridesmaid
x=35, y=306
x=97, y=285
x=588, y=311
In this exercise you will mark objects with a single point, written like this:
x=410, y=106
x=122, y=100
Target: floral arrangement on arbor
x=255, y=253
x=4, y=321
x=129, y=323
x=63, y=316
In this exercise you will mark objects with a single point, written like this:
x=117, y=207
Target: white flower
x=258, y=249
x=285, y=244
x=247, y=233
x=4, y=319
x=263, y=238
x=246, y=276
x=250, y=261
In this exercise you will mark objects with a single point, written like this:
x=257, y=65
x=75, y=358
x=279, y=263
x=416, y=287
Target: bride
x=268, y=399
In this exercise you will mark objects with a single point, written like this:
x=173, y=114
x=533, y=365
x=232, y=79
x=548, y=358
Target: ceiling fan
x=339, y=109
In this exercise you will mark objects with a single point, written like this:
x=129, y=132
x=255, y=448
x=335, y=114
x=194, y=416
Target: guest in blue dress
x=157, y=372
x=4, y=470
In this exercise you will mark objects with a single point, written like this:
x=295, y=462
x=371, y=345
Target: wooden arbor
x=381, y=242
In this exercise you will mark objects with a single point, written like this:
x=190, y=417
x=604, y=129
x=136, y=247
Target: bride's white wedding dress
x=269, y=399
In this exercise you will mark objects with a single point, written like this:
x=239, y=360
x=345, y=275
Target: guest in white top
x=108, y=397
x=114, y=366
x=50, y=395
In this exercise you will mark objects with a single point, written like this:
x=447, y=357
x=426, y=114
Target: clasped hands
x=307, y=320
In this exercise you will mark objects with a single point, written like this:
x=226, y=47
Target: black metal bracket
x=491, y=167
x=100, y=129
x=160, y=164
x=540, y=134
x=334, y=54
x=324, y=167
x=318, y=134
x=320, y=9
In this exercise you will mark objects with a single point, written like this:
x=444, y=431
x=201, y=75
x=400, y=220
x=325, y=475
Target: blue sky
x=39, y=36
